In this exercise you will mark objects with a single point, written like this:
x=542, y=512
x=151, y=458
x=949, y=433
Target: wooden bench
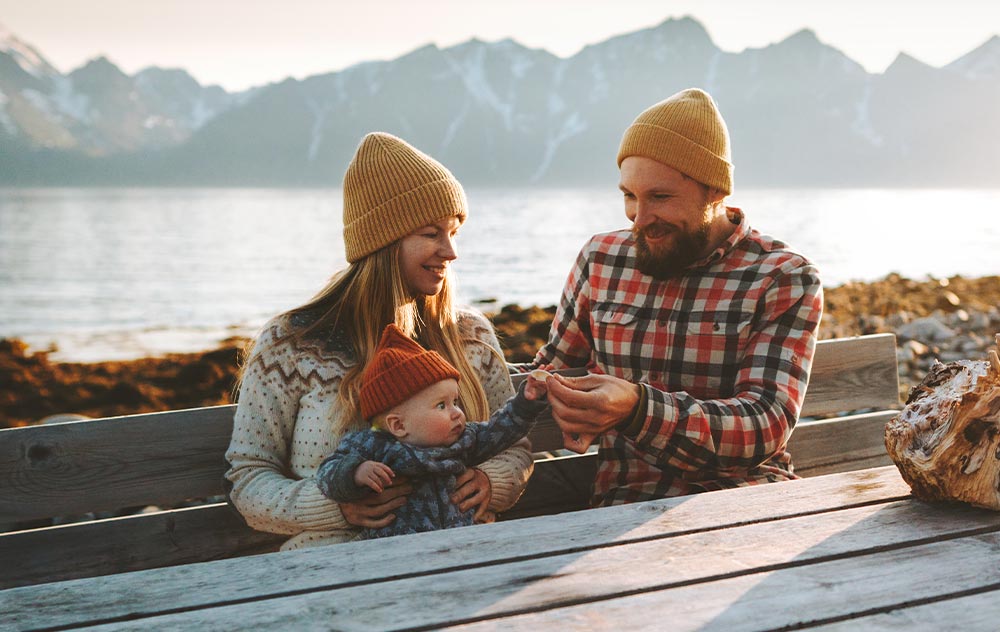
x=164, y=459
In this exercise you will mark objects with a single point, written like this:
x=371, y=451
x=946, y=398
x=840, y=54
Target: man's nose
x=643, y=215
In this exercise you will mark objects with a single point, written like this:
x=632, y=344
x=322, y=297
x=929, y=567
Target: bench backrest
x=163, y=459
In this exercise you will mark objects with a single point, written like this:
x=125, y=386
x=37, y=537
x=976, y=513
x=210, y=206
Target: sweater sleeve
x=508, y=472
x=263, y=490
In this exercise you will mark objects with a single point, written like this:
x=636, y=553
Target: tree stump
x=946, y=440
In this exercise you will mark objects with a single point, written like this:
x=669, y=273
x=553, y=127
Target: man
x=698, y=331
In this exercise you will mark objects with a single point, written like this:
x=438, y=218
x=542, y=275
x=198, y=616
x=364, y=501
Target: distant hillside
x=800, y=113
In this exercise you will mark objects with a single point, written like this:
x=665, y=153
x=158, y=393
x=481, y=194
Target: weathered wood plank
x=853, y=374
x=790, y=597
x=108, y=464
x=132, y=543
x=973, y=612
x=835, y=445
x=758, y=561
x=113, y=596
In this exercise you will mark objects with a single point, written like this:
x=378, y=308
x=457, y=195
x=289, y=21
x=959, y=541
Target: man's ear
x=394, y=424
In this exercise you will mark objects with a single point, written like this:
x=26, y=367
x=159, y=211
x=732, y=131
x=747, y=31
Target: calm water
x=107, y=273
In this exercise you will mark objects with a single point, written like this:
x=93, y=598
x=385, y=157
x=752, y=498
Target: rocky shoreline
x=933, y=319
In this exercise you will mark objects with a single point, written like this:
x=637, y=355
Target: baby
x=410, y=396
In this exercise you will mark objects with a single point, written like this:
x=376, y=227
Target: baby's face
x=432, y=417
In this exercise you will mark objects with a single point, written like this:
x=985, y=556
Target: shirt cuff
x=633, y=423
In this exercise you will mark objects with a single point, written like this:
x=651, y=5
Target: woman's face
x=424, y=256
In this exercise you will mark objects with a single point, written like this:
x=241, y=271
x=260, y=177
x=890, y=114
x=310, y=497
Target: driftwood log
x=946, y=440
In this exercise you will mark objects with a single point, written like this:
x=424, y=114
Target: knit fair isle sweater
x=432, y=471
x=285, y=425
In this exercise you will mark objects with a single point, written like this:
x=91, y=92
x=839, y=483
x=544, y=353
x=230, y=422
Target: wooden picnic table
x=844, y=551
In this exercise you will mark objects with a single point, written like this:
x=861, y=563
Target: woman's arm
x=263, y=490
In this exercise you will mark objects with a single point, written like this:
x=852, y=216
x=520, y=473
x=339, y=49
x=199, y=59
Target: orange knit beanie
x=400, y=369
x=390, y=190
x=687, y=133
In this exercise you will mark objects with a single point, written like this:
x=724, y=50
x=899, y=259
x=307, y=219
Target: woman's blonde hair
x=360, y=300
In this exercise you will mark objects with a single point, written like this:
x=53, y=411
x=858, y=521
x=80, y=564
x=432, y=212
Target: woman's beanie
x=392, y=189
x=400, y=369
x=685, y=132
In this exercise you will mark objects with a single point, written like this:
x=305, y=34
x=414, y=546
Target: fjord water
x=110, y=273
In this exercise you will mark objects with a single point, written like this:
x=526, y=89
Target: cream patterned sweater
x=286, y=424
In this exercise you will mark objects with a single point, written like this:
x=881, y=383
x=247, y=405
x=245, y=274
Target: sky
x=243, y=43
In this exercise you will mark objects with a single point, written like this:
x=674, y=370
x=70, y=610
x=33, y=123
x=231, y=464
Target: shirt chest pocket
x=616, y=328
x=713, y=339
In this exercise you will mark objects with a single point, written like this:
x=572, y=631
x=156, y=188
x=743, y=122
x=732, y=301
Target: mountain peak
x=99, y=66
x=905, y=62
x=980, y=63
x=29, y=59
x=684, y=22
x=685, y=27
x=99, y=74
x=802, y=38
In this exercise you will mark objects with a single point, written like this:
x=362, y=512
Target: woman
x=300, y=384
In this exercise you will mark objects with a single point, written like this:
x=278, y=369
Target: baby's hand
x=373, y=474
x=534, y=387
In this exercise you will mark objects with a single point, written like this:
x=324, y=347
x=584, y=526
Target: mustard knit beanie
x=685, y=132
x=400, y=369
x=391, y=189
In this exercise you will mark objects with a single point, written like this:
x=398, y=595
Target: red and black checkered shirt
x=722, y=352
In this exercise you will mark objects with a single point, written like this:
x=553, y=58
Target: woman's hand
x=373, y=512
x=473, y=489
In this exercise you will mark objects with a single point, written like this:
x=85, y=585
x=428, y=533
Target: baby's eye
x=440, y=406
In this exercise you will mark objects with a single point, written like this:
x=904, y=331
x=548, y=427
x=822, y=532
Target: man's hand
x=585, y=407
x=374, y=475
x=373, y=511
x=473, y=489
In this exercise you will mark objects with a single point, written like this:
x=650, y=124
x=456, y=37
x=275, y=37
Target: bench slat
x=840, y=444
x=107, y=464
x=853, y=374
x=119, y=545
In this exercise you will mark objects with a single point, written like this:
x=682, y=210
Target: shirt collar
x=742, y=230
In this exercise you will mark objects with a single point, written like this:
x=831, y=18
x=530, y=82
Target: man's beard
x=688, y=247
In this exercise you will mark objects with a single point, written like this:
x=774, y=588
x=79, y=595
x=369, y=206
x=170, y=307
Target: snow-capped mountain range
x=800, y=113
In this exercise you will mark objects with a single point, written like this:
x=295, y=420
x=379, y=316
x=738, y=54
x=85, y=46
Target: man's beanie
x=392, y=189
x=685, y=132
x=400, y=369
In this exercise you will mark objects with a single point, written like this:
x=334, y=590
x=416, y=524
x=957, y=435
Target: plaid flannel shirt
x=722, y=353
